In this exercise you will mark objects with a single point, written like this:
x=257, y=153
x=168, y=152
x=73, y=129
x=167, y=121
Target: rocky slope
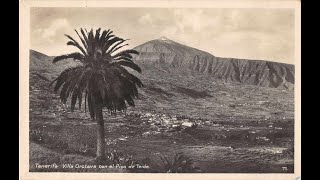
x=41, y=64
x=39, y=61
x=169, y=55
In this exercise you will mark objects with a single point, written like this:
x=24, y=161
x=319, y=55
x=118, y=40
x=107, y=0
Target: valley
x=223, y=124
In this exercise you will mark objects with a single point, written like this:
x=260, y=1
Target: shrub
x=41, y=137
x=179, y=164
x=37, y=136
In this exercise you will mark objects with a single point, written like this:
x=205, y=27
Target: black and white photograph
x=162, y=90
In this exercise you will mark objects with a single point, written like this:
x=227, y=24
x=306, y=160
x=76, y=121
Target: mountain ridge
x=165, y=53
x=167, y=56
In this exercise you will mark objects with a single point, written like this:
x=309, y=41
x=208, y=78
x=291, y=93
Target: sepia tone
x=260, y=33
x=216, y=91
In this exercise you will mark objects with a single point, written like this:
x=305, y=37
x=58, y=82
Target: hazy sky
x=266, y=34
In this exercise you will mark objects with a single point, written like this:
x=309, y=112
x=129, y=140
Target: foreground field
x=220, y=127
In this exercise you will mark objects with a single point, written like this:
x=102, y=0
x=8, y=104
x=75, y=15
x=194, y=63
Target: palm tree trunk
x=100, y=134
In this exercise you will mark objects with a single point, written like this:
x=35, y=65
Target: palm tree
x=101, y=77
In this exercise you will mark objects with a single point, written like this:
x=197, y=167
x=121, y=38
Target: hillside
x=42, y=66
x=39, y=61
x=182, y=91
x=239, y=128
x=172, y=56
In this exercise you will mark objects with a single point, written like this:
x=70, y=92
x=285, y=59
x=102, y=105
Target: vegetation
x=240, y=128
x=179, y=164
x=101, y=78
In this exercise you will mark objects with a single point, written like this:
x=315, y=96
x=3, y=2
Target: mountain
x=174, y=58
x=189, y=92
x=41, y=64
x=39, y=60
x=169, y=56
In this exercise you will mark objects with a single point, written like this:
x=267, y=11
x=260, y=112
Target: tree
x=101, y=78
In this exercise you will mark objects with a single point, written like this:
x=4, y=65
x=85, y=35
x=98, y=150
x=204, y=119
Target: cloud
x=55, y=26
x=169, y=31
x=252, y=33
x=229, y=20
x=243, y=33
x=146, y=19
x=193, y=19
x=253, y=45
x=193, y=25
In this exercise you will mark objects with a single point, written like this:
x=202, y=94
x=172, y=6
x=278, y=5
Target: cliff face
x=167, y=53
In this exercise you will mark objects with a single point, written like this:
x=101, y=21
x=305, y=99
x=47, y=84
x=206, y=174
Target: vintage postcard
x=160, y=89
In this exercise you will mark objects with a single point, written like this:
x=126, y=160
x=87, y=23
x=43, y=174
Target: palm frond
x=63, y=73
x=115, y=45
x=117, y=48
x=91, y=43
x=110, y=42
x=130, y=77
x=123, y=58
x=104, y=83
x=108, y=35
x=85, y=101
x=129, y=64
x=104, y=40
x=76, y=44
x=74, y=98
x=102, y=37
x=77, y=87
x=90, y=108
x=63, y=77
x=69, y=84
x=97, y=35
x=82, y=39
x=80, y=99
x=74, y=56
x=126, y=53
